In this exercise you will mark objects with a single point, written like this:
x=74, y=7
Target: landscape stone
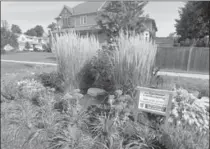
x=196, y=94
x=76, y=91
x=94, y=92
x=67, y=96
x=118, y=92
x=78, y=95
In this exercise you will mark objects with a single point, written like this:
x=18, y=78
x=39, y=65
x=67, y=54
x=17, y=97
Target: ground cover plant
x=98, y=113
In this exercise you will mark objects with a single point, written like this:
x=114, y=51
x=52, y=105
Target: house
x=8, y=47
x=34, y=42
x=82, y=19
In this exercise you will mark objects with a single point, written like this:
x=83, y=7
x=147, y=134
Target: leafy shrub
x=189, y=112
x=97, y=73
x=53, y=80
x=188, y=139
x=72, y=51
x=47, y=47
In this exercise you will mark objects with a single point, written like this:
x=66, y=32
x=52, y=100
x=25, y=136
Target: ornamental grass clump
x=72, y=51
x=133, y=60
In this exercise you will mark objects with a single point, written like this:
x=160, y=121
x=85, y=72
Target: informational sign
x=154, y=101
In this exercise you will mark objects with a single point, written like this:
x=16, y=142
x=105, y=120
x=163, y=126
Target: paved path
x=29, y=62
x=188, y=75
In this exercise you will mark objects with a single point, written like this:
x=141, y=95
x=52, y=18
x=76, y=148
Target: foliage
x=189, y=112
x=16, y=29
x=47, y=47
x=97, y=73
x=52, y=80
x=134, y=68
x=8, y=37
x=121, y=15
x=52, y=26
x=72, y=51
x=27, y=45
x=193, y=22
x=36, y=31
x=31, y=32
x=188, y=139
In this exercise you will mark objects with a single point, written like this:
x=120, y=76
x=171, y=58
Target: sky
x=29, y=14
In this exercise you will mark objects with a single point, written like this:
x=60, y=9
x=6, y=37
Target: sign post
x=154, y=101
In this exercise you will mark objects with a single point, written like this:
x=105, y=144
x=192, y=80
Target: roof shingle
x=87, y=7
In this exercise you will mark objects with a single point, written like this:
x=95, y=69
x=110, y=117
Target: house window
x=83, y=20
x=65, y=22
x=69, y=21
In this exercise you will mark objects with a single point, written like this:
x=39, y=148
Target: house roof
x=145, y=19
x=84, y=8
x=87, y=7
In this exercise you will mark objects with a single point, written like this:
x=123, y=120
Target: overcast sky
x=30, y=14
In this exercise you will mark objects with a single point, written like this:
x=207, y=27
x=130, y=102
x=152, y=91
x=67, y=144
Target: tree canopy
x=121, y=15
x=194, y=20
x=36, y=31
x=52, y=26
x=16, y=29
x=7, y=37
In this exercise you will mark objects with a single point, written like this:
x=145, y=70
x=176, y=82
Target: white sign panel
x=154, y=102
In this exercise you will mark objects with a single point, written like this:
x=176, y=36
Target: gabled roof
x=145, y=19
x=87, y=7
x=84, y=8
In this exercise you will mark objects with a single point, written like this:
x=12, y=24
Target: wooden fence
x=183, y=58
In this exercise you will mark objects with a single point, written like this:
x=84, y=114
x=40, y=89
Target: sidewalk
x=188, y=75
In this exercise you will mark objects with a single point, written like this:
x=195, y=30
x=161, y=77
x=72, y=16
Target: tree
x=27, y=46
x=194, y=21
x=31, y=32
x=16, y=29
x=36, y=31
x=7, y=37
x=39, y=30
x=121, y=15
x=52, y=26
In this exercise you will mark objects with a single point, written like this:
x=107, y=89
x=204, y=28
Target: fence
x=183, y=58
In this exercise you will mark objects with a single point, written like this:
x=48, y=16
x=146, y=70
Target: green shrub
x=53, y=80
x=97, y=73
x=47, y=47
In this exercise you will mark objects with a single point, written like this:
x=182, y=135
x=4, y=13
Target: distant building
x=82, y=18
x=8, y=47
x=34, y=42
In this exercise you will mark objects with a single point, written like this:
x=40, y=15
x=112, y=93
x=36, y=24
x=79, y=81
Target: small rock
x=94, y=92
x=78, y=95
x=76, y=91
x=118, y=92
x=196, y=93
x=67, y=96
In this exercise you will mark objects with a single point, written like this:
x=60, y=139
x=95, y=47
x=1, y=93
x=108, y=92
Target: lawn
x=30, y=56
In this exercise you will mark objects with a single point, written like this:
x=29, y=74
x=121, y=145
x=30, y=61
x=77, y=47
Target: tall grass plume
x=72, y=51
x=133, y=60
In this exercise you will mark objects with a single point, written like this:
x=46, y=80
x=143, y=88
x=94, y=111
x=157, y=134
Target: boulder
x=94, y=92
